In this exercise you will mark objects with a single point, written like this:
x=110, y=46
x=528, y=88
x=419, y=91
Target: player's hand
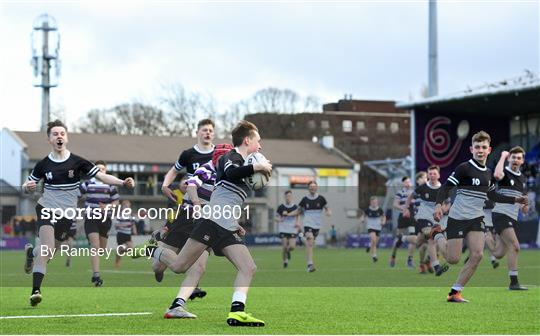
x=522, y=200
x=241, y=231
x=406, y=213
x=284, y=213
x=168, y=193
x=129, y=182
x=30, y=186
x=505, y=154
x=438, y=213
x=265, y=167
x=525, y=209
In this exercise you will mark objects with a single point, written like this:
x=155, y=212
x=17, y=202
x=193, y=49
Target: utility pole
x=45, y=63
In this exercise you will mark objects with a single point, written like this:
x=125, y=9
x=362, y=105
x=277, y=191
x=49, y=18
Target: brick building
x=365, y=130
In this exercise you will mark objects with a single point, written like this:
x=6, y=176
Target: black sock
x=177, y=303
x=513, y=280
x=36, y=281
x=95, y=275
x=409, y=258
x=453, y=291
x=437, y=267
x=237, y=306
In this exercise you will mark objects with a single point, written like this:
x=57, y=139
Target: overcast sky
x=115, y=53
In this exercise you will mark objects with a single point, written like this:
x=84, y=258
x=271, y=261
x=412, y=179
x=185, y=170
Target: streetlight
x=46, y=63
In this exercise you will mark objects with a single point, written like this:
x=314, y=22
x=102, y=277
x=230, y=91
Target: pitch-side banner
x=444, y=140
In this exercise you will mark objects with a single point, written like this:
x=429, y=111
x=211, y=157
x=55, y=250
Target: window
x=394, y=127
x=381, y=127
x=360, y=125
x=325, y=124
x=341, y=184
x=322, y=181
x=311, y=124
x=347, y=126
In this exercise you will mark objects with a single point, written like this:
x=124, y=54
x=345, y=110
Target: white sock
x=510, y=273
x=435, y=263
x=457, y=287
x=239, y=297
x=492, y=258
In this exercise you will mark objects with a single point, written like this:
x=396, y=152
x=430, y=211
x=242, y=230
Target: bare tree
x=275, y=100
x=133, y=118
x=184, y=109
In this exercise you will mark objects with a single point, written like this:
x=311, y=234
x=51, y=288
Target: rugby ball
x=258, y=180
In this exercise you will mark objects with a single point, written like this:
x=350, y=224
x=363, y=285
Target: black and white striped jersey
x=427, y=195
x=230, y=189
x=193, y=158
x=513, y=184
x=204, y=179
x=62, y=180
x=474, y=186
x=312, y=208
x=402, y=196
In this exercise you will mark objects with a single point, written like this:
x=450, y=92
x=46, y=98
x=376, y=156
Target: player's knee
x=249, y=269
x=291, y=247
x=200, y=268
x=515, y=247
x=179, y=268
x=475, y=257
x=453, y=259
x=498, y=254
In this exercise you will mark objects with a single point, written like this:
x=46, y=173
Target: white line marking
x=77, y=315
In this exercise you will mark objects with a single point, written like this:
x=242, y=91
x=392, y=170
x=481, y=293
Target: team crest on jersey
x=71, y=173
x=48, y=176
x=196, y=165
x=427, y=195
x=206, y=237
x=512, y=182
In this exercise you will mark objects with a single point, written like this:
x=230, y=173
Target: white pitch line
x=77, y=315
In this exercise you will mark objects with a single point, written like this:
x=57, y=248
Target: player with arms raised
x=62, y=172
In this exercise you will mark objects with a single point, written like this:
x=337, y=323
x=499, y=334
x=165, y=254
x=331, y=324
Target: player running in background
x=404, y=223
x=465, y=219
x=190, y=160
x=220, y=232
x=287, y=218
x=427, y=194
x=312, y=206
x=490, y=232
x=62, y=172
x=98, y=196
x=125, y=227
x=511, y=183
x=375, y=218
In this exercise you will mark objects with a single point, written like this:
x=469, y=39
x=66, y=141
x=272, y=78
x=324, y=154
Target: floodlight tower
x=45, y=63
x=433, y=85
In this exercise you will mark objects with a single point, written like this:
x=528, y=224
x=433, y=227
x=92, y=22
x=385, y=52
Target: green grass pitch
x=348, y=294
